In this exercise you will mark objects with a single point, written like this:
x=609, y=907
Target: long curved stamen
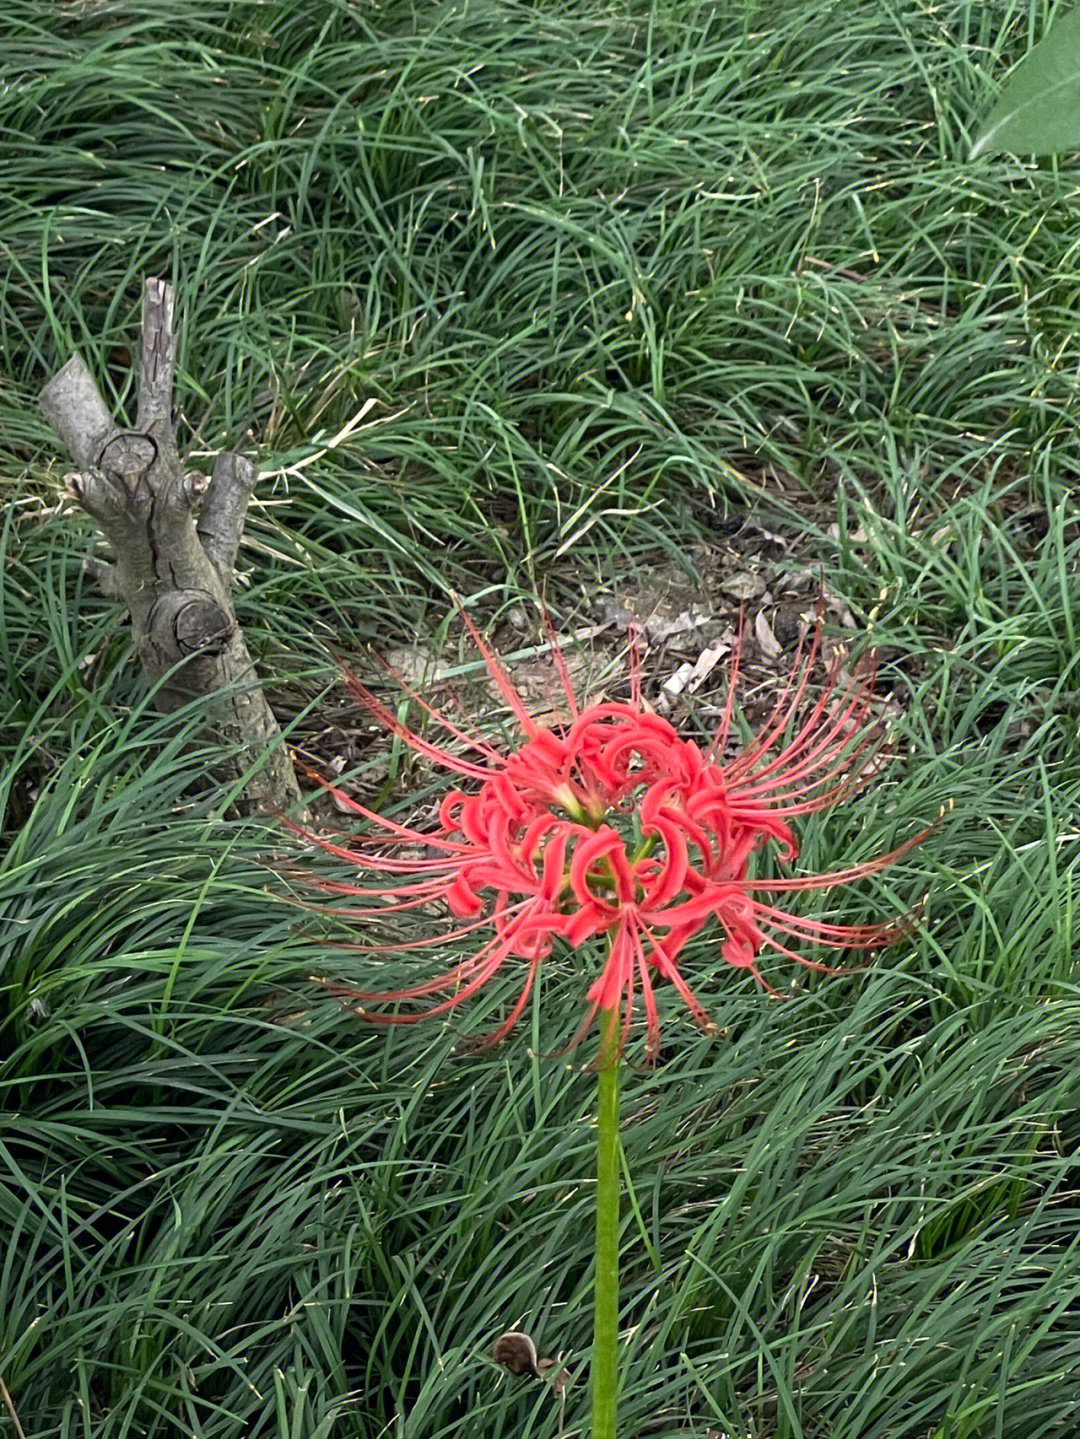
x=791, y=884
x=389, y=864
x=501, y=678
x=813, y=739
x=780, y=718
x=561, y=667
x=474, y=739
x=720, y=738
x=390, y=722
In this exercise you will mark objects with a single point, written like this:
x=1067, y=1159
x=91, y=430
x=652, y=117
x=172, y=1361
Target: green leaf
x=1039, y=109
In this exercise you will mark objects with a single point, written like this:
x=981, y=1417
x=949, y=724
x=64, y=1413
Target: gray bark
x=174, y=537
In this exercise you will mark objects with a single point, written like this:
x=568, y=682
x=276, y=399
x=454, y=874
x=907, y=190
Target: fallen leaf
x=767, y=641
x=706, y=663
x=674, y=685
x=743, y=586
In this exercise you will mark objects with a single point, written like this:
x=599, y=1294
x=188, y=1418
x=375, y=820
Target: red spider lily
x=612, y=824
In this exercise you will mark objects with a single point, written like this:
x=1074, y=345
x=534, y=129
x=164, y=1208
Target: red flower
x=613, y=825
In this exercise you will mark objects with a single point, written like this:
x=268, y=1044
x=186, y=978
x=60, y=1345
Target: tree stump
x=174, y=536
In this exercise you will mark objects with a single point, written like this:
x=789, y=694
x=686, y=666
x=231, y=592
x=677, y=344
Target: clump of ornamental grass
x=613, y=826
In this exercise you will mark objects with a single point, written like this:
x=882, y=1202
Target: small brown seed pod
x=516, y=1351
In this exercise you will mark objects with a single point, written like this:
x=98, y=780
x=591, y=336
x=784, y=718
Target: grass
x=509, y=298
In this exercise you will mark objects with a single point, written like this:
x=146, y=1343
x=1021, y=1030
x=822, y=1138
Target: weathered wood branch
x=173, y=565
x=221, y=519
x=73, y=407
x=157, y=363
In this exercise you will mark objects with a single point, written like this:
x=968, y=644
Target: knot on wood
x=127, y=458
x=201, y=625
x=194, y=621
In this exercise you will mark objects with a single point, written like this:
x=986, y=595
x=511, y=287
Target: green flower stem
x=605, y=1359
